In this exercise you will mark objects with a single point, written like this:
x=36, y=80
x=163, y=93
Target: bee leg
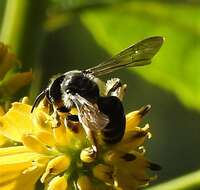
x=92, y=139
x=56, y=119
x=91, y=136
x=114, y=87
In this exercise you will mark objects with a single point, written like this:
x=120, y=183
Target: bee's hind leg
x=114, y=87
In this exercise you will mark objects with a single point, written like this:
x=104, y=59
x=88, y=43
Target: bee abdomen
x=113, y=108
x=112, y=136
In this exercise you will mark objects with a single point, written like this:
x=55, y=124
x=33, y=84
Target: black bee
x=80, y=89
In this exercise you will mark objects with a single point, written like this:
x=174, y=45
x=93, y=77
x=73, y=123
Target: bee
x=79, y=89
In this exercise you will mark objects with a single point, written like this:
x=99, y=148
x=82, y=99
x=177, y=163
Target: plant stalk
x=188, y=182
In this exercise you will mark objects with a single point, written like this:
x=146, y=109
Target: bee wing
x=138, y=54
x=89, y=114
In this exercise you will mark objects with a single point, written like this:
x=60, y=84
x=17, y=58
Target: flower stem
x=13, y=23
x=188, y=182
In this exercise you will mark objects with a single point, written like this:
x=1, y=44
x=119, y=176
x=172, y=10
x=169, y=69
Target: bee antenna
x=38, y=99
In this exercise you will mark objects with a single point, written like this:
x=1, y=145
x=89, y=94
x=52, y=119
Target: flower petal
x=4, y=141
x=134, y=118
x=58, y=183
x=14, y=162
x=17, y=121
x=104, y=173
x=129, y=169
x=42, y=120
x=46, y=138
x=13, y=150
x=31, y=142
x=60, y=136
x=133, y=138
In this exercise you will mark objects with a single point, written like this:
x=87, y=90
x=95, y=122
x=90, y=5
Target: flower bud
x=55, y=166
x=88, y=155
x=58, y=183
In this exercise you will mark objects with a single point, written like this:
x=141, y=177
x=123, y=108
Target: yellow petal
x=44, y=106
x=4, y=141
x=42, y=120
x=124, y=182
x=104, y=173
x=58, y=183
x=16, y=122
x=134, y=118
x=13, y=150
x=65, y=136
x=60, y=136
x=25, y=100
x=14, y=161
x=56, y=166
x=31, y=142
x=133, y=138
x=130, y=169
x=46, y=138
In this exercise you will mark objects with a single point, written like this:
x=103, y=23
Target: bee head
x=79, y=83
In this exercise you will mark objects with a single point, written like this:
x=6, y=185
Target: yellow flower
x=11, y=80
x=59, y=157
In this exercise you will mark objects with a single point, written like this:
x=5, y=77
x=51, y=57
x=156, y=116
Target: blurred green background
x=55, y=36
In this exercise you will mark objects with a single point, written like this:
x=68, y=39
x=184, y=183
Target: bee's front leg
x=56, y=118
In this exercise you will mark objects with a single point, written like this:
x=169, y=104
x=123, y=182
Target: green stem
x=22, y=29
x=13, y=23
x=188, y=182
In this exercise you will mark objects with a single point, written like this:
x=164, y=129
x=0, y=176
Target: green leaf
x=61, y=12
x=176, y=67
x=187, y=182
x=67, y=5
